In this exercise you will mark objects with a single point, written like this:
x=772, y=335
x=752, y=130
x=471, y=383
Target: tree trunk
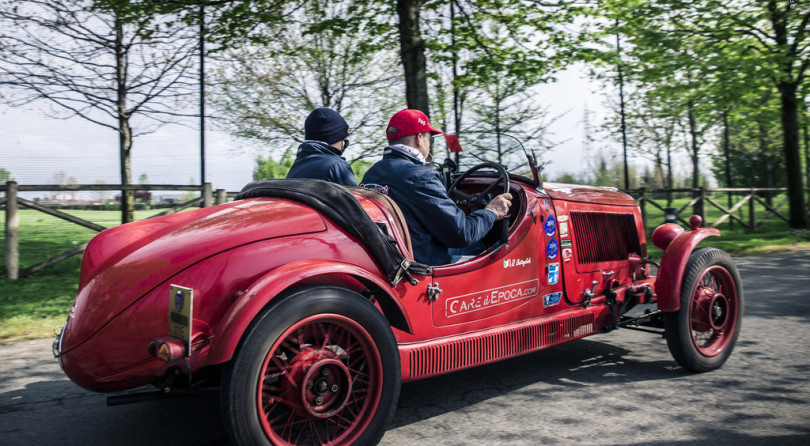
x=787, y=86
x=669, y=175
x=727, y=154
x=765, y=161
x=124, y=130
x=805, y=128
x=412, y=53
x=693, y=154
x=790, y=134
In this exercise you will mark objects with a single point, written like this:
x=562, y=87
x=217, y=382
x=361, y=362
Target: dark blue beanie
x=326, y=125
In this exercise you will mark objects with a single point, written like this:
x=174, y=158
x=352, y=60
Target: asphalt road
x=620, y=388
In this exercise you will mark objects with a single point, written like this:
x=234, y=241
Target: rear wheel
x=702, y=333
x=319, y=367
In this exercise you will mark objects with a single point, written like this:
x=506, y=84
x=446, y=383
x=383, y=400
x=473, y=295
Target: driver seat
x=393, y=209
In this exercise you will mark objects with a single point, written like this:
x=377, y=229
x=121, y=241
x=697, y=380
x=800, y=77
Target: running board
x=438, y=356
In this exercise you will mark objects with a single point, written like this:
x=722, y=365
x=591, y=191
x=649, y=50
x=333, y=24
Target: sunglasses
x=345, y=144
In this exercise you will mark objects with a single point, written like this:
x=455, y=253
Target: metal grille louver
x=604, y=237
x=455, y=355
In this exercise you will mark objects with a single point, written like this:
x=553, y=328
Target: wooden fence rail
x=701, y=197
x=12, y=202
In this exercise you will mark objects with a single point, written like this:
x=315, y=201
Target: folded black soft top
x=341, y=206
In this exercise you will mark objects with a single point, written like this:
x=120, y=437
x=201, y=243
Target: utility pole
x=621, y=105
x=455, y=68
x=202, y=94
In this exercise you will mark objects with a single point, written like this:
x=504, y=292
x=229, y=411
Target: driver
x=436, y=224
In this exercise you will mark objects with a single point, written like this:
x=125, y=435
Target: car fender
x=670, y=275
x=249, y=304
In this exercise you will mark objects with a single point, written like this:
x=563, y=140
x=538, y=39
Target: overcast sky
x=35, y=147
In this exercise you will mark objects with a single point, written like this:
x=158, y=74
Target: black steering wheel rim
x=477, y=201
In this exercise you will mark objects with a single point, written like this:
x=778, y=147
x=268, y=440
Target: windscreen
x=478, y=148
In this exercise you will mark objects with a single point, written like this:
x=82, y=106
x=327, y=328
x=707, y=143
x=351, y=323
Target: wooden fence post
x=752, y=210
x=702, y=207
x=221, y=196
x=643, y=205
x=207, y=196
x=12, y=232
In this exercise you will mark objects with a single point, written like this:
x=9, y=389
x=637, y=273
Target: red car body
x=576, y=261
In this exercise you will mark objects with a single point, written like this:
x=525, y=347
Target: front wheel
x=319, y=367
x=701, y=334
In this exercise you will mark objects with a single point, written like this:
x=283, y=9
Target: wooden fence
x=12, y=202
x=701, y=198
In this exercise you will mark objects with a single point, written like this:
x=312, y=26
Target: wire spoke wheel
x=713, y=311
x=320, y=382
x=318, y=367
x=702, y=333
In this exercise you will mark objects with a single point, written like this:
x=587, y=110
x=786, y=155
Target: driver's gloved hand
x=500, y=205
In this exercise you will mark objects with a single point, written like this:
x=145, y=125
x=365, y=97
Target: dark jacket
x=322, y=162
x=434, y=221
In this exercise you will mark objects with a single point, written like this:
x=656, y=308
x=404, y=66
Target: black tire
x=329, y=370
x=702, y=333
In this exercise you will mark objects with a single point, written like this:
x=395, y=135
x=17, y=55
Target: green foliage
x=5, y=175
x=706, y=59
x=360, y=167
x=266, y=91
x=755, y=152
x=568, y=178
x=494, y=40
x=267, y=168
x=228, y=24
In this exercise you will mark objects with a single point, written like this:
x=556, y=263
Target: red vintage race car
x=302, y=303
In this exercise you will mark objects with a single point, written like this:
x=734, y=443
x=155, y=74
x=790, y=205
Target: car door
x=511, y=284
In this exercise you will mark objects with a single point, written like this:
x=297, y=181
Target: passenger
x=435, y=223
x=319, y=156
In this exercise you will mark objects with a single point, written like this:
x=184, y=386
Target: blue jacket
x=322, y=162
x=434, y=221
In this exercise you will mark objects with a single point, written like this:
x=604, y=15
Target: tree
x=266, y=91
x=522, y=54
x=755, y=140
x=505, y=107
x=101, y=64
x=5, y=176
x=745, y=40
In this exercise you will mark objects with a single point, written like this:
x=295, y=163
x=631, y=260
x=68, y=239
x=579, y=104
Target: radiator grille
x=604, y=237
x=454, y=355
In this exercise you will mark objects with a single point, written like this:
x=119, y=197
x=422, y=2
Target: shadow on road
x=582, y=363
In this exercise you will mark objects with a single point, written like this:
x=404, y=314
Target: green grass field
x=31, y=307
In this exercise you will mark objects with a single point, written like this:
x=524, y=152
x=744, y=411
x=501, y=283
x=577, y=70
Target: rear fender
x=670, y=275
x=265, y=290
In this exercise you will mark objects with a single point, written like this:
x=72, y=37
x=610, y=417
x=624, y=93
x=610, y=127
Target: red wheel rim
x=320, y=382
x=713, y=311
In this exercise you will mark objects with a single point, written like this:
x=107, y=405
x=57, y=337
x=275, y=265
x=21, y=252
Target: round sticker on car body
x=550, y=225
x=552, y=248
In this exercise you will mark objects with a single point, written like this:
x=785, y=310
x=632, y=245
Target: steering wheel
x=481, y=199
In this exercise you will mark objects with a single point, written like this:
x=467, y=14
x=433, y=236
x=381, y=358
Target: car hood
x=588, y=194
x=124, y=263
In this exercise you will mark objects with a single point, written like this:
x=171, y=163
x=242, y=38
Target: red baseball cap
x=410, y=122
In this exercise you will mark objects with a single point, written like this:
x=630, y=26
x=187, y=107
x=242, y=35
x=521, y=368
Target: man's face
x=424, y=139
